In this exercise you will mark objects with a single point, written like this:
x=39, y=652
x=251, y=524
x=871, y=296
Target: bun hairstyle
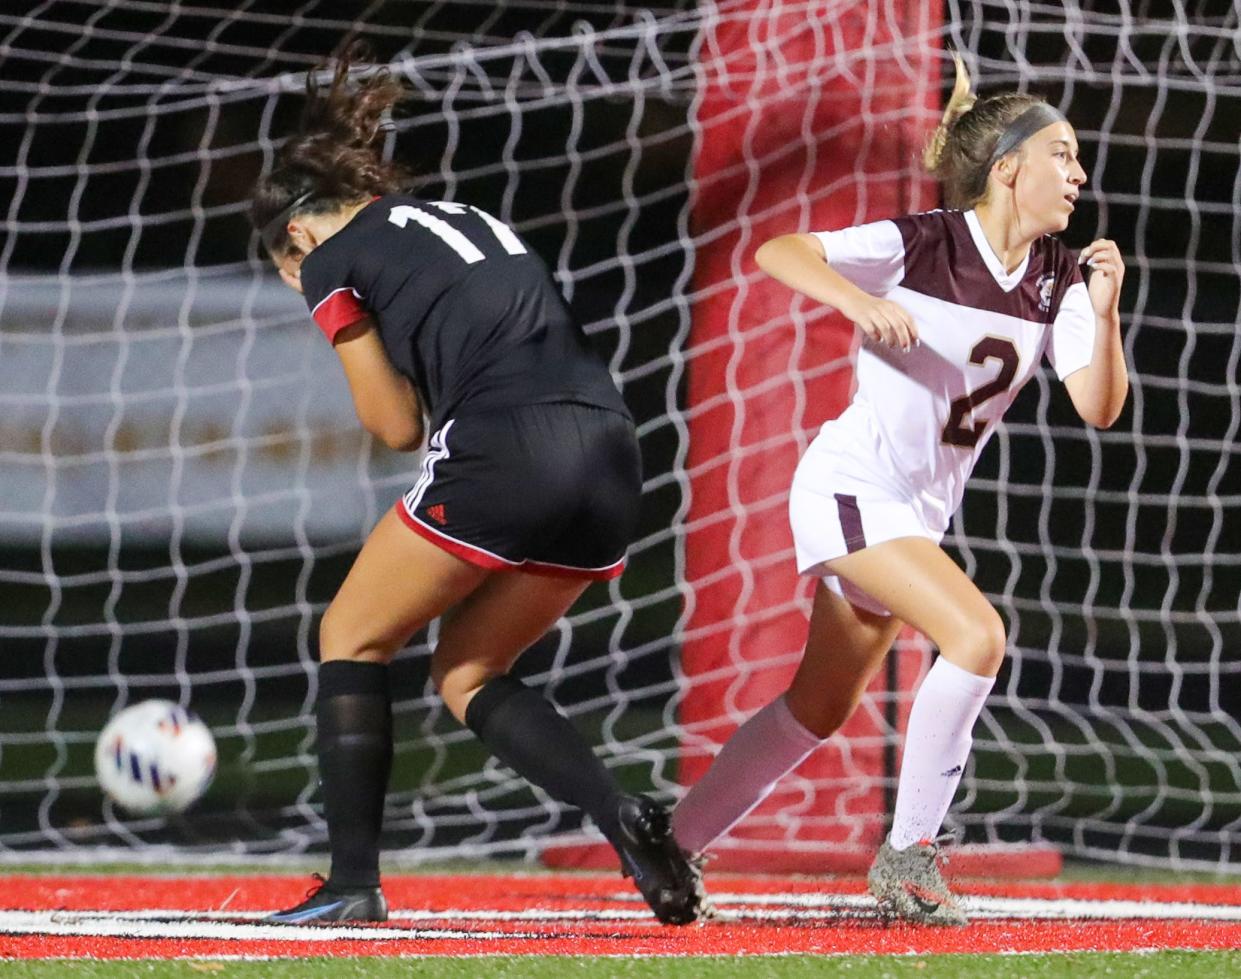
x=962, y=149
x=336, y=157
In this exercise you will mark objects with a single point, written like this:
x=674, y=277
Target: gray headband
x=271, y=230
x=1038, y=116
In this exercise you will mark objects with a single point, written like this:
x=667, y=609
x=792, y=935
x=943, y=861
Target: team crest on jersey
x=1045, y=286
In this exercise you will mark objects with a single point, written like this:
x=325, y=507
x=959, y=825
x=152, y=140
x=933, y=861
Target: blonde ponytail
x=959, y=152
x=960, y=102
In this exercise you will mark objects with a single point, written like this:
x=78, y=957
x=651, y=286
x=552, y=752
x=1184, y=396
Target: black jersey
x=465, y=308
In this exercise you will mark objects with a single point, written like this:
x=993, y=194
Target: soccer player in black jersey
x=529, y=486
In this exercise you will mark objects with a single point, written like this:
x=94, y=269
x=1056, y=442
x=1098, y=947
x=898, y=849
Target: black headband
x=271, y=230
x=1038, y=116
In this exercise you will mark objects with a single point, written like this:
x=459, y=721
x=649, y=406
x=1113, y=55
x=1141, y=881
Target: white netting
x=184, y=482
x=1116, y=555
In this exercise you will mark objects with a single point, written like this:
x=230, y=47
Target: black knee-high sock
x=355, y=758
x=540, y=744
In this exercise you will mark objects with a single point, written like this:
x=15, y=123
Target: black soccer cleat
x=327, y=904
x=662, y=871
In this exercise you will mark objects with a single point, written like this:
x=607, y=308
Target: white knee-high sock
x=937, y=745
x=765, y=748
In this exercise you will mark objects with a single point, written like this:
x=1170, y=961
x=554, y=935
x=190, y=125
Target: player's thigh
x=484, y=634
x=398, y=584
x=844, y=649
x=920, y=584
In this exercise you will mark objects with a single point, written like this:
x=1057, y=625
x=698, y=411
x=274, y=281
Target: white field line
x=157, y=924
x=977, y=906
x=1070, y=909
x=120, y=925
x=153, y=924
x=448, y=914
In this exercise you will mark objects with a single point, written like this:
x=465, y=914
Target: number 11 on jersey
x=402, y=214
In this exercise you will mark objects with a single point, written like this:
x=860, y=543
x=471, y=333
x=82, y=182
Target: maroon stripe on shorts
x=851, y=522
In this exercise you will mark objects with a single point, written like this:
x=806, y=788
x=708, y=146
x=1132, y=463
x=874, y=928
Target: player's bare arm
x=385, y=400
x=1098, y=391
x=800, y=262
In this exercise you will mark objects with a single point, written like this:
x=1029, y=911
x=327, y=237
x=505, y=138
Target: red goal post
x=800, y=130
x=800, y=126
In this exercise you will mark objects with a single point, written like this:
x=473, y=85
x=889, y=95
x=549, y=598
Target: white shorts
x=834, y=512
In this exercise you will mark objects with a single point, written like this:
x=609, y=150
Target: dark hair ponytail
x=336, y=158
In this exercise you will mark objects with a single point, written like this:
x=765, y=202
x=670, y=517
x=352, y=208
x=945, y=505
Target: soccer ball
x=154, y=757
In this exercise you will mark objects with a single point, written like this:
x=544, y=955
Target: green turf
x=1155, y=965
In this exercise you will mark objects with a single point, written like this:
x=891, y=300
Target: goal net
x=185, y=483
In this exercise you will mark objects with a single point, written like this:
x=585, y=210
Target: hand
x=884, y=322
x=289, y=264
x=1107, y=272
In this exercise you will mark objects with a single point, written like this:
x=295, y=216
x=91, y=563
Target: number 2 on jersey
x=956, y=432
x=402, y=214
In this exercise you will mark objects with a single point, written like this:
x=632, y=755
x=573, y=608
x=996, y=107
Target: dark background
x=1121, y=543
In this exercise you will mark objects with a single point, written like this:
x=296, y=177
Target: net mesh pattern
x=185, y=483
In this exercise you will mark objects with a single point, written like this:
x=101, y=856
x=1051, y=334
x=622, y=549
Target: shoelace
x=320, y=882
x=936, y=856
x=702, y=900
x=938, y=844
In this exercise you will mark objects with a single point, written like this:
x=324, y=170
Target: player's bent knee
x=979, y=646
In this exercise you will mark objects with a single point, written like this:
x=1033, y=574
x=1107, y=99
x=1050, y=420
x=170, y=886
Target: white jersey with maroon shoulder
x=919, y=420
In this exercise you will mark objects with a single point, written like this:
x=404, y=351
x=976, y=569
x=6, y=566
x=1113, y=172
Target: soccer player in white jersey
x=957, y=308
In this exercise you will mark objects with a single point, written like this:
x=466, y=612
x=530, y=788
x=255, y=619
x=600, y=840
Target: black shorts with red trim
x=547, y=488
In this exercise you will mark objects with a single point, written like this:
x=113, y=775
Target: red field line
x=708, y=940
x=498, y=892
x=788, y=931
